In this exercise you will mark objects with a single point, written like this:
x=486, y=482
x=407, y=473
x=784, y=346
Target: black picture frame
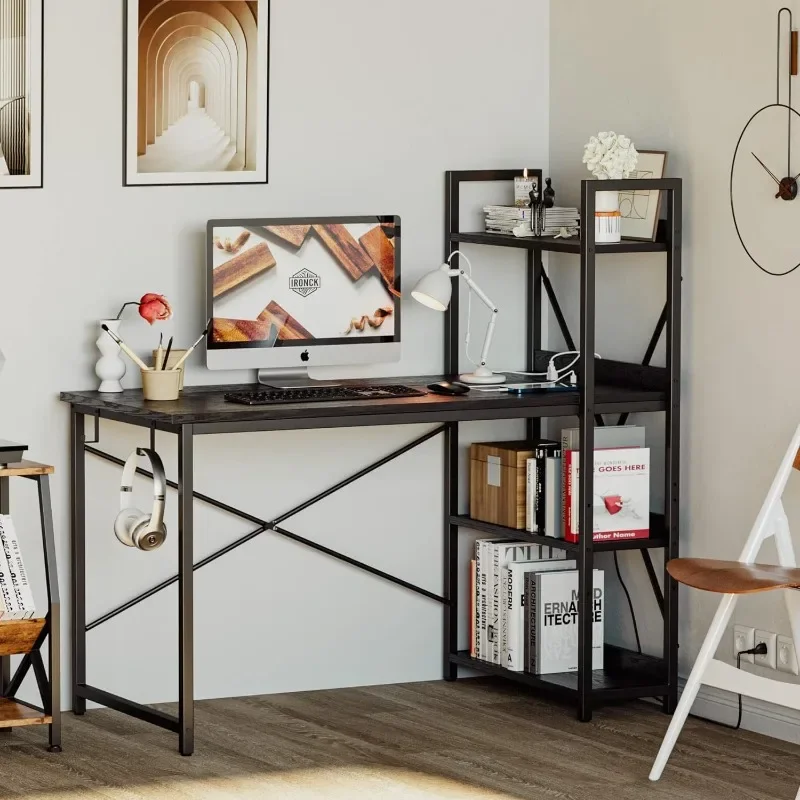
x=38, y=84
x=126, y=178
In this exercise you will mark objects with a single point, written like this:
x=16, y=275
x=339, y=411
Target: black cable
x=759, y=650
x=630, y=603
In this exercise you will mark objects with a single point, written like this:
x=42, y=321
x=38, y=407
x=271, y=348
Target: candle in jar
x=523, y=186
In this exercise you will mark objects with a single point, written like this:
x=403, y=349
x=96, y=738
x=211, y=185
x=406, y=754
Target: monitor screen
x=288, y=283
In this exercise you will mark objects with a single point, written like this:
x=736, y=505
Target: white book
x=553, y=517
x=514, y=616
x=11, y=609
x=553, y=635
x=530, y=490
x=19, y=576
x=477, y=598
x=483, y=614
x=500, y=550
x=505, y=553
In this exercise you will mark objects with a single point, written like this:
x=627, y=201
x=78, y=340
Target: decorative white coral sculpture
x=610, y=157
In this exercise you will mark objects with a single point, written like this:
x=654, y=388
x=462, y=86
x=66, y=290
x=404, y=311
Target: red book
x=621, y=501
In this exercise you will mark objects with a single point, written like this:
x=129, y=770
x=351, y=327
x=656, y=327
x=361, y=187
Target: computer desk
x=202, y=411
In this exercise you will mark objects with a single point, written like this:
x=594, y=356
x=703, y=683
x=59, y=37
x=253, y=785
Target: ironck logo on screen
x=305, y=282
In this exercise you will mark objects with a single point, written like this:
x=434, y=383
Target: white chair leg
x=707, y=651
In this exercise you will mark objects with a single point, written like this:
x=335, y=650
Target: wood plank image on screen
x=20, y=94
x=197, y=91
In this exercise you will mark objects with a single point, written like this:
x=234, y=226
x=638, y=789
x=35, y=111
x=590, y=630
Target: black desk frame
x=606, y=387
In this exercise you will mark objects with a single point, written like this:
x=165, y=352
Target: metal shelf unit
x=627, y=675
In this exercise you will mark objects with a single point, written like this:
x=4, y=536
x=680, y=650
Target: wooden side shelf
x=25, y=469
x=14, y=715
x=19, y=636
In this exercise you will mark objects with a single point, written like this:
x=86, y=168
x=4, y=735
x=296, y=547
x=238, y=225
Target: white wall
x=371, y=102
x=685, y=77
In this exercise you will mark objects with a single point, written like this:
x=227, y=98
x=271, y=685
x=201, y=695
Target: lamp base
x=483, y=376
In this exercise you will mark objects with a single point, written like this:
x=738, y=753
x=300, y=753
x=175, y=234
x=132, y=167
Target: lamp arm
x=486, y=300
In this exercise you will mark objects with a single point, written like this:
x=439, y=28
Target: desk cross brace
x=273, y=526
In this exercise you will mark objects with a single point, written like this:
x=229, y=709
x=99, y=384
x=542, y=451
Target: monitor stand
x=293, y=378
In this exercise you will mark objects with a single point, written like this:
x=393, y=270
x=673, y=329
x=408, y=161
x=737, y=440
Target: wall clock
x=765, y=169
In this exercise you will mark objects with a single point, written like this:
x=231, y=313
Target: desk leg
x=5, y=661
x=53, y=701
x=450, y=549
x=78, y=558
x=186, y=587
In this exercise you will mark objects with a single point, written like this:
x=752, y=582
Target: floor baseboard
x=758, y=716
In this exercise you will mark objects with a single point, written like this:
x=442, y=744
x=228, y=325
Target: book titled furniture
x=25, y=637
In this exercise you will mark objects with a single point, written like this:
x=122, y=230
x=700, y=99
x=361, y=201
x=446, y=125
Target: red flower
x=155, y=308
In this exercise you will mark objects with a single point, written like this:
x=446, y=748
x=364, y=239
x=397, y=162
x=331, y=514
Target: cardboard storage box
x=497, y=482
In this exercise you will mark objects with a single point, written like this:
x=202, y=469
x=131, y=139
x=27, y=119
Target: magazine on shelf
x=15, y=590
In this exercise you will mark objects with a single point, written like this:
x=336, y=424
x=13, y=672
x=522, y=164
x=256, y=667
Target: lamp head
x=435, y=289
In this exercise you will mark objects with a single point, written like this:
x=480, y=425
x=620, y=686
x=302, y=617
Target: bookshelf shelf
x=26, y=637
x=14, y=714
x=607, y=392
x=627, y=675
x=657, y=539
x=18, y=637
x=554, y=245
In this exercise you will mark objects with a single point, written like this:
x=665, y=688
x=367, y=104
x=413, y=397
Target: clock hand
x=769, y=172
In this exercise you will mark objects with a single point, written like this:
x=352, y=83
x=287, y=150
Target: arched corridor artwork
x=20, y=94
x=197, y=91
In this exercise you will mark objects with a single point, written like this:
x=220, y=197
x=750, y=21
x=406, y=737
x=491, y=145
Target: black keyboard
x=320, y=394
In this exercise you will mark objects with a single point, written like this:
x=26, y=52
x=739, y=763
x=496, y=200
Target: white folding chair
x=730, y=579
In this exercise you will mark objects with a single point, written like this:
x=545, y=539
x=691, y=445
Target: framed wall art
x=21, y=59
x=642, y=210
x=196, y=89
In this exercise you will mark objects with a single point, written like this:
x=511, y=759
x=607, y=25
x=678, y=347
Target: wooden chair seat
x=732, y=577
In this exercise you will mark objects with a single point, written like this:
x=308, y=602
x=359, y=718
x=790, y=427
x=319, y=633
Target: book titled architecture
x=621, y=494
x=16, y=598
x=512, y=630
x=552, y=616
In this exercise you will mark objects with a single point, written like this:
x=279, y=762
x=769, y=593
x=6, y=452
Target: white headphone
x=132, y=527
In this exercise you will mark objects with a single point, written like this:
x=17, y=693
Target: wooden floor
x=471, y=739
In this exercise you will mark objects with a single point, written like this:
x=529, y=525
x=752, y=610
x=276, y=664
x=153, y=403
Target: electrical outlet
x=787, y=656
x=744, y=638
x=769, y=659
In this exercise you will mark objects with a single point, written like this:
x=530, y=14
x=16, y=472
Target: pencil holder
x=161, y=384
x=174, y=357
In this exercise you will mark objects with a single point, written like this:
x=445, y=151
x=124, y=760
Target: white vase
x=110, y=367
x=607, y=218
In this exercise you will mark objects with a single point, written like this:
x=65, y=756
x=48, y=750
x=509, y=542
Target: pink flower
x=155, y=308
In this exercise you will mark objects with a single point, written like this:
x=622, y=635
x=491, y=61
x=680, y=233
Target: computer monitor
x=303, y=293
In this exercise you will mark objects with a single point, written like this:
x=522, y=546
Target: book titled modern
x=492, y=556
x=16, y=598
x=621, y=504
x=552, y=614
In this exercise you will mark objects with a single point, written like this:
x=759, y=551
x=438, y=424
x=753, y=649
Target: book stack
x=505, y=219
x=557, y=218
x=525, y=608
x=16, y=598
x=621, y=493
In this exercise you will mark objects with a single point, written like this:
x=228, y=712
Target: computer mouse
x=445, y=387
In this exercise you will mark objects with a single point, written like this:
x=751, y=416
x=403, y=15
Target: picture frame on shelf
x=196, y=92
x=641, y=210
x=21, y=94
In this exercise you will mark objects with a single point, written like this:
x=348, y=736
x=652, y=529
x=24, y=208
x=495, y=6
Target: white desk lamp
x=435, y=289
